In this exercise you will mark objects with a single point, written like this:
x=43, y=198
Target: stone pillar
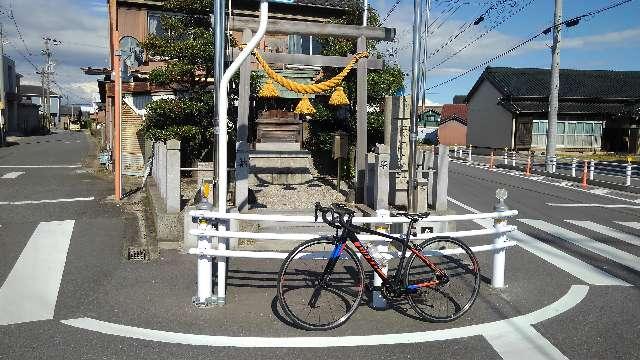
x=443, y=178
x=369, y=179
x=361, y=122
x=173, y=177
x=162, y=169
x=242, y=131
x=381, y=185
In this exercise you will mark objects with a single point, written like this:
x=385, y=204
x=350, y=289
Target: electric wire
x=546, y=31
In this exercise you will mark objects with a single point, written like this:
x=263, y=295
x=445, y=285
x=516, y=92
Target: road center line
x=26, y=202
x=576, y=267
x=31, y=289
x=575, y=294
x=596, y=205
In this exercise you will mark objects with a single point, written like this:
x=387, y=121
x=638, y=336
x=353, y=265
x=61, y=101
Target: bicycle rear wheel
x=449, y=300
x=309, y=299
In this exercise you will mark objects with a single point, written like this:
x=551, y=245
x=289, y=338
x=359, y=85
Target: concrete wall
x=490, y=125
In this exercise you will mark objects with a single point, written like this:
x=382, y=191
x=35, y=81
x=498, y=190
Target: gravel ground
x=297, y=196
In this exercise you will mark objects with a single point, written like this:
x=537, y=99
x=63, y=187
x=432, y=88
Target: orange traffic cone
x=584, y=176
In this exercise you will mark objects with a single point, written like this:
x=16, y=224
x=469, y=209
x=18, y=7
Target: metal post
x=628, y=182
x=499, y=255
x=506, y=156
x=204, y=295
x=592, y=169
x=513, y=158
x=381, y=253
x=413, y=125
x=218, y=20
x=223, y=104
x=469, y=154
x=361, y=119
x=574, y=163
x=555, y=85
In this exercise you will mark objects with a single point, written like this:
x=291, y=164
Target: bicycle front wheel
x=450, y=299
x=313, y=300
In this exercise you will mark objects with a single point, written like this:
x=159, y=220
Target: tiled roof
x=606, y=84
x=564, y=107
x=449, y=110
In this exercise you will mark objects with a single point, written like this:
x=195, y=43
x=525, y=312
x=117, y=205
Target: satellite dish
x=132, y=55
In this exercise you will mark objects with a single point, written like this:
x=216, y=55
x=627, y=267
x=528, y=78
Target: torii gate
x=248, y=26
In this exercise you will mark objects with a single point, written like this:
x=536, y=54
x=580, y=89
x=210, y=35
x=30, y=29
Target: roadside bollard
x=554, y=161
x=505, y=156
x=528, y=169
x=469, y=154
x=628, y=182
x=455, y=151
x=380, y=252
x=491, y=161
x=584, y=175
x=513, y=158
x=204, y=295
x=499, y=255
x=592, y=169
x=574, y=163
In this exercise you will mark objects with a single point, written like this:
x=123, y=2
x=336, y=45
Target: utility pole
x=552, y=129
x=3, y=104
x=47, y=72
x=413, y=124
x=117, y=97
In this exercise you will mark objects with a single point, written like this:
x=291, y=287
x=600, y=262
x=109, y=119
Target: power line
x=569, y=23
x=476, y=20
x=477, y=38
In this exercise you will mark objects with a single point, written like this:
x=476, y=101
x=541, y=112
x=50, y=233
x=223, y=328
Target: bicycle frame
x=349, y=234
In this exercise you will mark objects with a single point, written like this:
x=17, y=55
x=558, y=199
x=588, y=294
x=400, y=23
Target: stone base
x=280, y=167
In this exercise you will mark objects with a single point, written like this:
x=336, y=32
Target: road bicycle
x=440, y=278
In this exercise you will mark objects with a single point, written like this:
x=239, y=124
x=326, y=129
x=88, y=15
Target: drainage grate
x=137, y=254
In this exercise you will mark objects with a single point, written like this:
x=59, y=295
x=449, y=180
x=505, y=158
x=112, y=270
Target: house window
x=570, y=134
x=155, y=24
x=304, y=44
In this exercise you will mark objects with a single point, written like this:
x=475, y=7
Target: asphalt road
x=61, y=217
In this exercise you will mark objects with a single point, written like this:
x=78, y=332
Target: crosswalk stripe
x=584, y=242
x=30, y=292
x=631, y=239
x=576, y=267
x=12, y=175
x=631, y=224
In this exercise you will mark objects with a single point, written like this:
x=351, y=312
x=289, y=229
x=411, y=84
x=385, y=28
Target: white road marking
x=26, y=202
x=12, y=175
x=578, y=268
x=584, y=242
x=521, y=339
x=31, y=289
x=631, y=239
x=39, y=166
x=597, y=205
x=574, y=296
x=631, y=224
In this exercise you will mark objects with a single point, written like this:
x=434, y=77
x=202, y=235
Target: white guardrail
x=626, y=171
x=206, y=252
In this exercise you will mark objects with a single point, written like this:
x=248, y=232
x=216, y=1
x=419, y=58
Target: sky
x=610, y=40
